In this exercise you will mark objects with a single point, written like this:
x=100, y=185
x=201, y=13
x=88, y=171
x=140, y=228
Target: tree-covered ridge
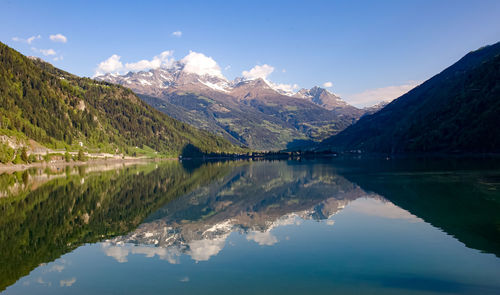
x=454, y=111
x=58, y=110
x=41, y=225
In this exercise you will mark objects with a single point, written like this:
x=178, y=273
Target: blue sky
x=362, y=47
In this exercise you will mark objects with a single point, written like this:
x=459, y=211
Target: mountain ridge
x=59, y=110
x=456, y=111
x=248, y=112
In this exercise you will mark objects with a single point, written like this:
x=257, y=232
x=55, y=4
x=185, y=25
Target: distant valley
x=248, y=112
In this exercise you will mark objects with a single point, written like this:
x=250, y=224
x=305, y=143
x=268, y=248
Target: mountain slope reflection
x=252, y=200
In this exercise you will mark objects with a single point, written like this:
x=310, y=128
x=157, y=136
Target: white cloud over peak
x=258, y=72
x=372, y=97
x=58, y=38
x=263, y=72
x=284, y=87
x=163, y=59
x=114, y=65
x=177, y=34
x=28, y=40
x=198, y=63
x=110, y=65
x=327, y=84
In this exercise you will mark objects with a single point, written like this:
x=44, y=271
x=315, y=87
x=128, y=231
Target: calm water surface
x=283, y=227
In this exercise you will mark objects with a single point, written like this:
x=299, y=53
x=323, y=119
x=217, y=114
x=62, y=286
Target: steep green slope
x=457, y=110
x=59, y=110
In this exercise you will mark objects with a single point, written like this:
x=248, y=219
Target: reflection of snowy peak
x=203, y=240
x=253, y=200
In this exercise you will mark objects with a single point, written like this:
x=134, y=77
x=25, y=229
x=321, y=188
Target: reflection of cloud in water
x=202, y=250
x=262, y=238
x=120, y=252
x=67, y=283
x=380, y=208
x=42, y=282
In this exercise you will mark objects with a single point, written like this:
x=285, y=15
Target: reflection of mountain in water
x=45, y=216
x=251, y=200
x=460, y=196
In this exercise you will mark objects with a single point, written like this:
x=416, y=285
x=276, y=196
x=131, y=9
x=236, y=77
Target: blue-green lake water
x=253, y=227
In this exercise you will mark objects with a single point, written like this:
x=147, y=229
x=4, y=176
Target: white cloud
x=177, y=34
x=327, y=84
x=110, y=65
x=262, y=238
x=58, y=38
x=163, y=59
x=198, y=63
x=262, y=72
x=33, y=38
x=58, y=58
x=284, y=87
x=28, y=40
x=114, y=65
x=258, y=72
x=374, y=96
x=67, y=283
x=227, y=67
x=46, y=52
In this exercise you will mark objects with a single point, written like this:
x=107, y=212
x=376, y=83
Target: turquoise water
x=282, y=227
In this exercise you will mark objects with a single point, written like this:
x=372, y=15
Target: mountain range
x=456, y=111
x=248, y=112
x=43, y=105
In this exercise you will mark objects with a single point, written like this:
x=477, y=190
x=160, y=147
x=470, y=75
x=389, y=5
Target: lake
x=324, y=226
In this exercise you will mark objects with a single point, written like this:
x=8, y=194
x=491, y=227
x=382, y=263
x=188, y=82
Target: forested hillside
x=59, y=110
x=456, y=111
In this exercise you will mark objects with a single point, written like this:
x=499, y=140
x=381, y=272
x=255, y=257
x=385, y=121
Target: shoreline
x=8, y=168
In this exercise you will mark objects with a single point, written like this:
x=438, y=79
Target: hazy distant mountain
x=457, y=110
x=41, y=104
x=322, y=97
x=253, y=113
x=375, y=108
